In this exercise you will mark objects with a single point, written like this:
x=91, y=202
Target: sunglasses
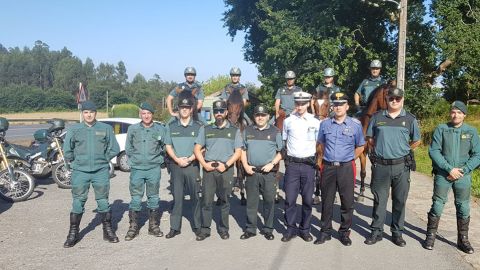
x=221, y=111
x=397, y=99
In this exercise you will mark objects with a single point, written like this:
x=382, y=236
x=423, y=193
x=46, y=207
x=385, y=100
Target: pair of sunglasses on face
x=218, y=111
x=397, y=99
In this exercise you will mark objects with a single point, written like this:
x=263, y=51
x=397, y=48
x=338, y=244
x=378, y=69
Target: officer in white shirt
x=299, y=133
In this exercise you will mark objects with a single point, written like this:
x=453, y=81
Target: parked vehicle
x=45, y=152
x=16, y=184
x=120, y=128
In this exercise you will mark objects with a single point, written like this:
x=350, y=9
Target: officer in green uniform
x=261, y=152
x=369, y=84
x=190, y=85
x=328, y=86
x=185, y=171
x=284, y=104
x=88, y=147
x=235, y=84
x=145, y=150
x=393, y=133
x=455, y=153
x=222, y=148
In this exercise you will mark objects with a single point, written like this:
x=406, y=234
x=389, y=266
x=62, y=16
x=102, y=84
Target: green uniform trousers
x=221, y=184
x=81, y=181
x=139, y=179
x=185, y=180
x=398, y=178
x=257, y=184
x=461, y=192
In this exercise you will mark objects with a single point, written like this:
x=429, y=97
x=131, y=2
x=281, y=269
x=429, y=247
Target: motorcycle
x=16, y=184
x=44, y=154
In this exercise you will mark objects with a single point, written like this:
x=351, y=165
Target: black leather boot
x=432, y=227
x=72, y=237
x=133, y=229
x=108, y=233
x=462, y=243
x=154, y=222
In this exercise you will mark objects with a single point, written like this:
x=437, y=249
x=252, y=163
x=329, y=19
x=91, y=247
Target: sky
x=161, y=37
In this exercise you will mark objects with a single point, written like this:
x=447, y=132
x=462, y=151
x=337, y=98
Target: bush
x=124, y=110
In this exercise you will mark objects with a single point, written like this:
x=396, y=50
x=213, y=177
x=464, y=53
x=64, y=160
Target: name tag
x=100, y=133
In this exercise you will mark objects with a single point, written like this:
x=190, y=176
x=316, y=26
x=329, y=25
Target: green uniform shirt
x=286, y=98
x=145, y=146
x=330, y=90
x=182, y=138
x=393, y=136
x=261, y=145
x=220, y=143
x=90, y=148
x=454, y=148
x=229, y=88
x=367, y=86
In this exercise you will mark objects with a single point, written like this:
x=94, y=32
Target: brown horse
x=236, y=112
x=321, y=105
x=376, y=102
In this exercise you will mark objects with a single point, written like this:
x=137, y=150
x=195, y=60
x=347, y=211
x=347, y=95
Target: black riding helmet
x=56, y=124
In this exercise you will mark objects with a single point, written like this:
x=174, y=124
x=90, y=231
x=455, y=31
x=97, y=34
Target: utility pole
x=402, y=44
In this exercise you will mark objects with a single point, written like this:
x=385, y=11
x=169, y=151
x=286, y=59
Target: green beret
x=147, y=106
x=457, y=104
x=88, y=106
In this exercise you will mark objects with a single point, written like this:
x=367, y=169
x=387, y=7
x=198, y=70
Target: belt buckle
x=336, y=163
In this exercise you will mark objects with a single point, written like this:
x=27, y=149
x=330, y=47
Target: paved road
x=32, y=235
x=23, y=132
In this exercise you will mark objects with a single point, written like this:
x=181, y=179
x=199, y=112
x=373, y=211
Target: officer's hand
x=249, y=169
x=208, y=166
x=268, y=167
x=277, y=115
x=183, y=162
x=221, y=167
x=456, y=173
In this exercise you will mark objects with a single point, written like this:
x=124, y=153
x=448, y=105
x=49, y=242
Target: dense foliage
x=307, y=36
x=38, y=79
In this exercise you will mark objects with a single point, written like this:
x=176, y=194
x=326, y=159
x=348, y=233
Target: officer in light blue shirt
x=340, y=141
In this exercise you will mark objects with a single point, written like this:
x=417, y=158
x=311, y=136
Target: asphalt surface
x=32, y=235
x=23, y=132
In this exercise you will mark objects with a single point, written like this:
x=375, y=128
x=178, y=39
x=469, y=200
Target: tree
x=307, y=36
x=68, y=73
x=458, y=31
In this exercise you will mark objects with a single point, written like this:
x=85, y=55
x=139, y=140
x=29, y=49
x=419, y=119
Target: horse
x=376, y=102
x=321, y=105
x=236, y=112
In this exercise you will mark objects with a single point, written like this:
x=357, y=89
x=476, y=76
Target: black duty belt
x=301, y=160
x=391, y=161
x=258, y=169
x=336, y=163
